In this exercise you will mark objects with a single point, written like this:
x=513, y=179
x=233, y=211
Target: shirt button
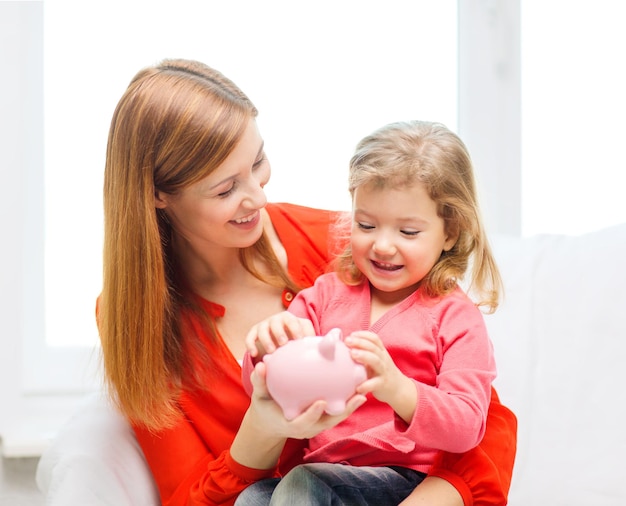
x=287, y=297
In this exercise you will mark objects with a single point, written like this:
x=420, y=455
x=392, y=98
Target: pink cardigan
x=441, y=343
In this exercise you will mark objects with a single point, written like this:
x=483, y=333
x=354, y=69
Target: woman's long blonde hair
x=174, y=125
x=403, y=153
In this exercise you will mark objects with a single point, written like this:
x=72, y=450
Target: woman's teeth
x=244, y=220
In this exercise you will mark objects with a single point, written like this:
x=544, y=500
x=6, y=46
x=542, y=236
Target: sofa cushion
x=560, y=342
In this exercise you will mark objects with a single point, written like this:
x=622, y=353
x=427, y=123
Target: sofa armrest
x=95, y=459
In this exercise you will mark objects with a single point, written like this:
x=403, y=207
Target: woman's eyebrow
x=235, y=175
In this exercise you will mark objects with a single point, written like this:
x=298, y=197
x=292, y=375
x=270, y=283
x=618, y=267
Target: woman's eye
x=364, y=226
x=227, y=192
x=259, y=162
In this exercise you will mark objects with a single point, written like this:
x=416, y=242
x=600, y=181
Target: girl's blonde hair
x=175, y=124
x=403, y=153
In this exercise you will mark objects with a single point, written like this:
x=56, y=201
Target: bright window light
x=573, y=109
x=323, y=74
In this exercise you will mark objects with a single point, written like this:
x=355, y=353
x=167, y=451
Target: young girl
x=416, y=228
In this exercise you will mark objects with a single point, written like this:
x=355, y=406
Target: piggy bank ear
x=328, y=343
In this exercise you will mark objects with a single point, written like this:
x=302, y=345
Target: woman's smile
x=247, y=222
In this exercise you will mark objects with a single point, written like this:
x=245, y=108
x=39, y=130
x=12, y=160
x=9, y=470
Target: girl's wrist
x=404, y=400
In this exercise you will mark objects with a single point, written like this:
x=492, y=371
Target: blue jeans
x=333, y=485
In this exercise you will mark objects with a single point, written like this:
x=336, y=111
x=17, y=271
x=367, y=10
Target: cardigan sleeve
x=483, y=475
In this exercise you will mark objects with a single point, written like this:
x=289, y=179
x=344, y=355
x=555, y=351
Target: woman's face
x=223, y=209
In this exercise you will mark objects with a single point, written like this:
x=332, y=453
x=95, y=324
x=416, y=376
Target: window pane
x=573, y=109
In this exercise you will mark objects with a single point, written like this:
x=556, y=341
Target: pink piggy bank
x=313, y=368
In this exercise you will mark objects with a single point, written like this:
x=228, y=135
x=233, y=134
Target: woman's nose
x=255, y=193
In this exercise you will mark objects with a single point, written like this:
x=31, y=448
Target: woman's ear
x=160, y=200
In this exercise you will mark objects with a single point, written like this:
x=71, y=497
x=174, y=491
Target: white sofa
x=560, y=341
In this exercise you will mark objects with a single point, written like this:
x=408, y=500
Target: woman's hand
x=264, y=429
x=275, y=331
x=384, y=380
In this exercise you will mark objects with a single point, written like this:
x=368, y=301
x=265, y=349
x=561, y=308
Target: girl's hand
x=384, y=380
x=275, y=331
x=308, y=424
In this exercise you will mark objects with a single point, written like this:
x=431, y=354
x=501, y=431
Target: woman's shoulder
x=308, y=236
x=295, y=212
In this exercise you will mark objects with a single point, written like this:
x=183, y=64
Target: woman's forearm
x=252, y=448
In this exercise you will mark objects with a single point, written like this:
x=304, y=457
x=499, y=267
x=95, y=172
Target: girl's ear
x=451, y=238
x=160, y=200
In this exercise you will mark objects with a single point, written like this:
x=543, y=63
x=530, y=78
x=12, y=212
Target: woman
x=193, y=257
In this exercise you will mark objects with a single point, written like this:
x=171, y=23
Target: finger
x=251, y=342
x=258, y=380
x=368, y=386
x=295, y=328
x=267, y=334
x=364, y=341
x=366, y=334
x=370, y=359
x=278, y=329
x=306, y=327
x=308, y=423
x=291, y=327
x=354, y=403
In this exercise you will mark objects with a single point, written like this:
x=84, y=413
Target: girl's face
x=397, y=237
x=223, y=209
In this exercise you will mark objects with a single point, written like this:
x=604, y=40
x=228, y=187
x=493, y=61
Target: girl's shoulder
x=457, y=300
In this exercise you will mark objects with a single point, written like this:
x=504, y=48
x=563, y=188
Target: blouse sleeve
x=187, y=473
x=483, y=475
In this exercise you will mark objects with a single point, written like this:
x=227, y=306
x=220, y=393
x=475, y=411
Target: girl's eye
x=410, y=233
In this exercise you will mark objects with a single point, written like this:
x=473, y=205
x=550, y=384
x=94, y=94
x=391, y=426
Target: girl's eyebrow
x=235, y=175
x=413, y=220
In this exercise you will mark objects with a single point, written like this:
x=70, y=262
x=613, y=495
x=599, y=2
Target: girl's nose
x=383, y=246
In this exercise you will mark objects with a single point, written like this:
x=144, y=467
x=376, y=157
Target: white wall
x=490, y=106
